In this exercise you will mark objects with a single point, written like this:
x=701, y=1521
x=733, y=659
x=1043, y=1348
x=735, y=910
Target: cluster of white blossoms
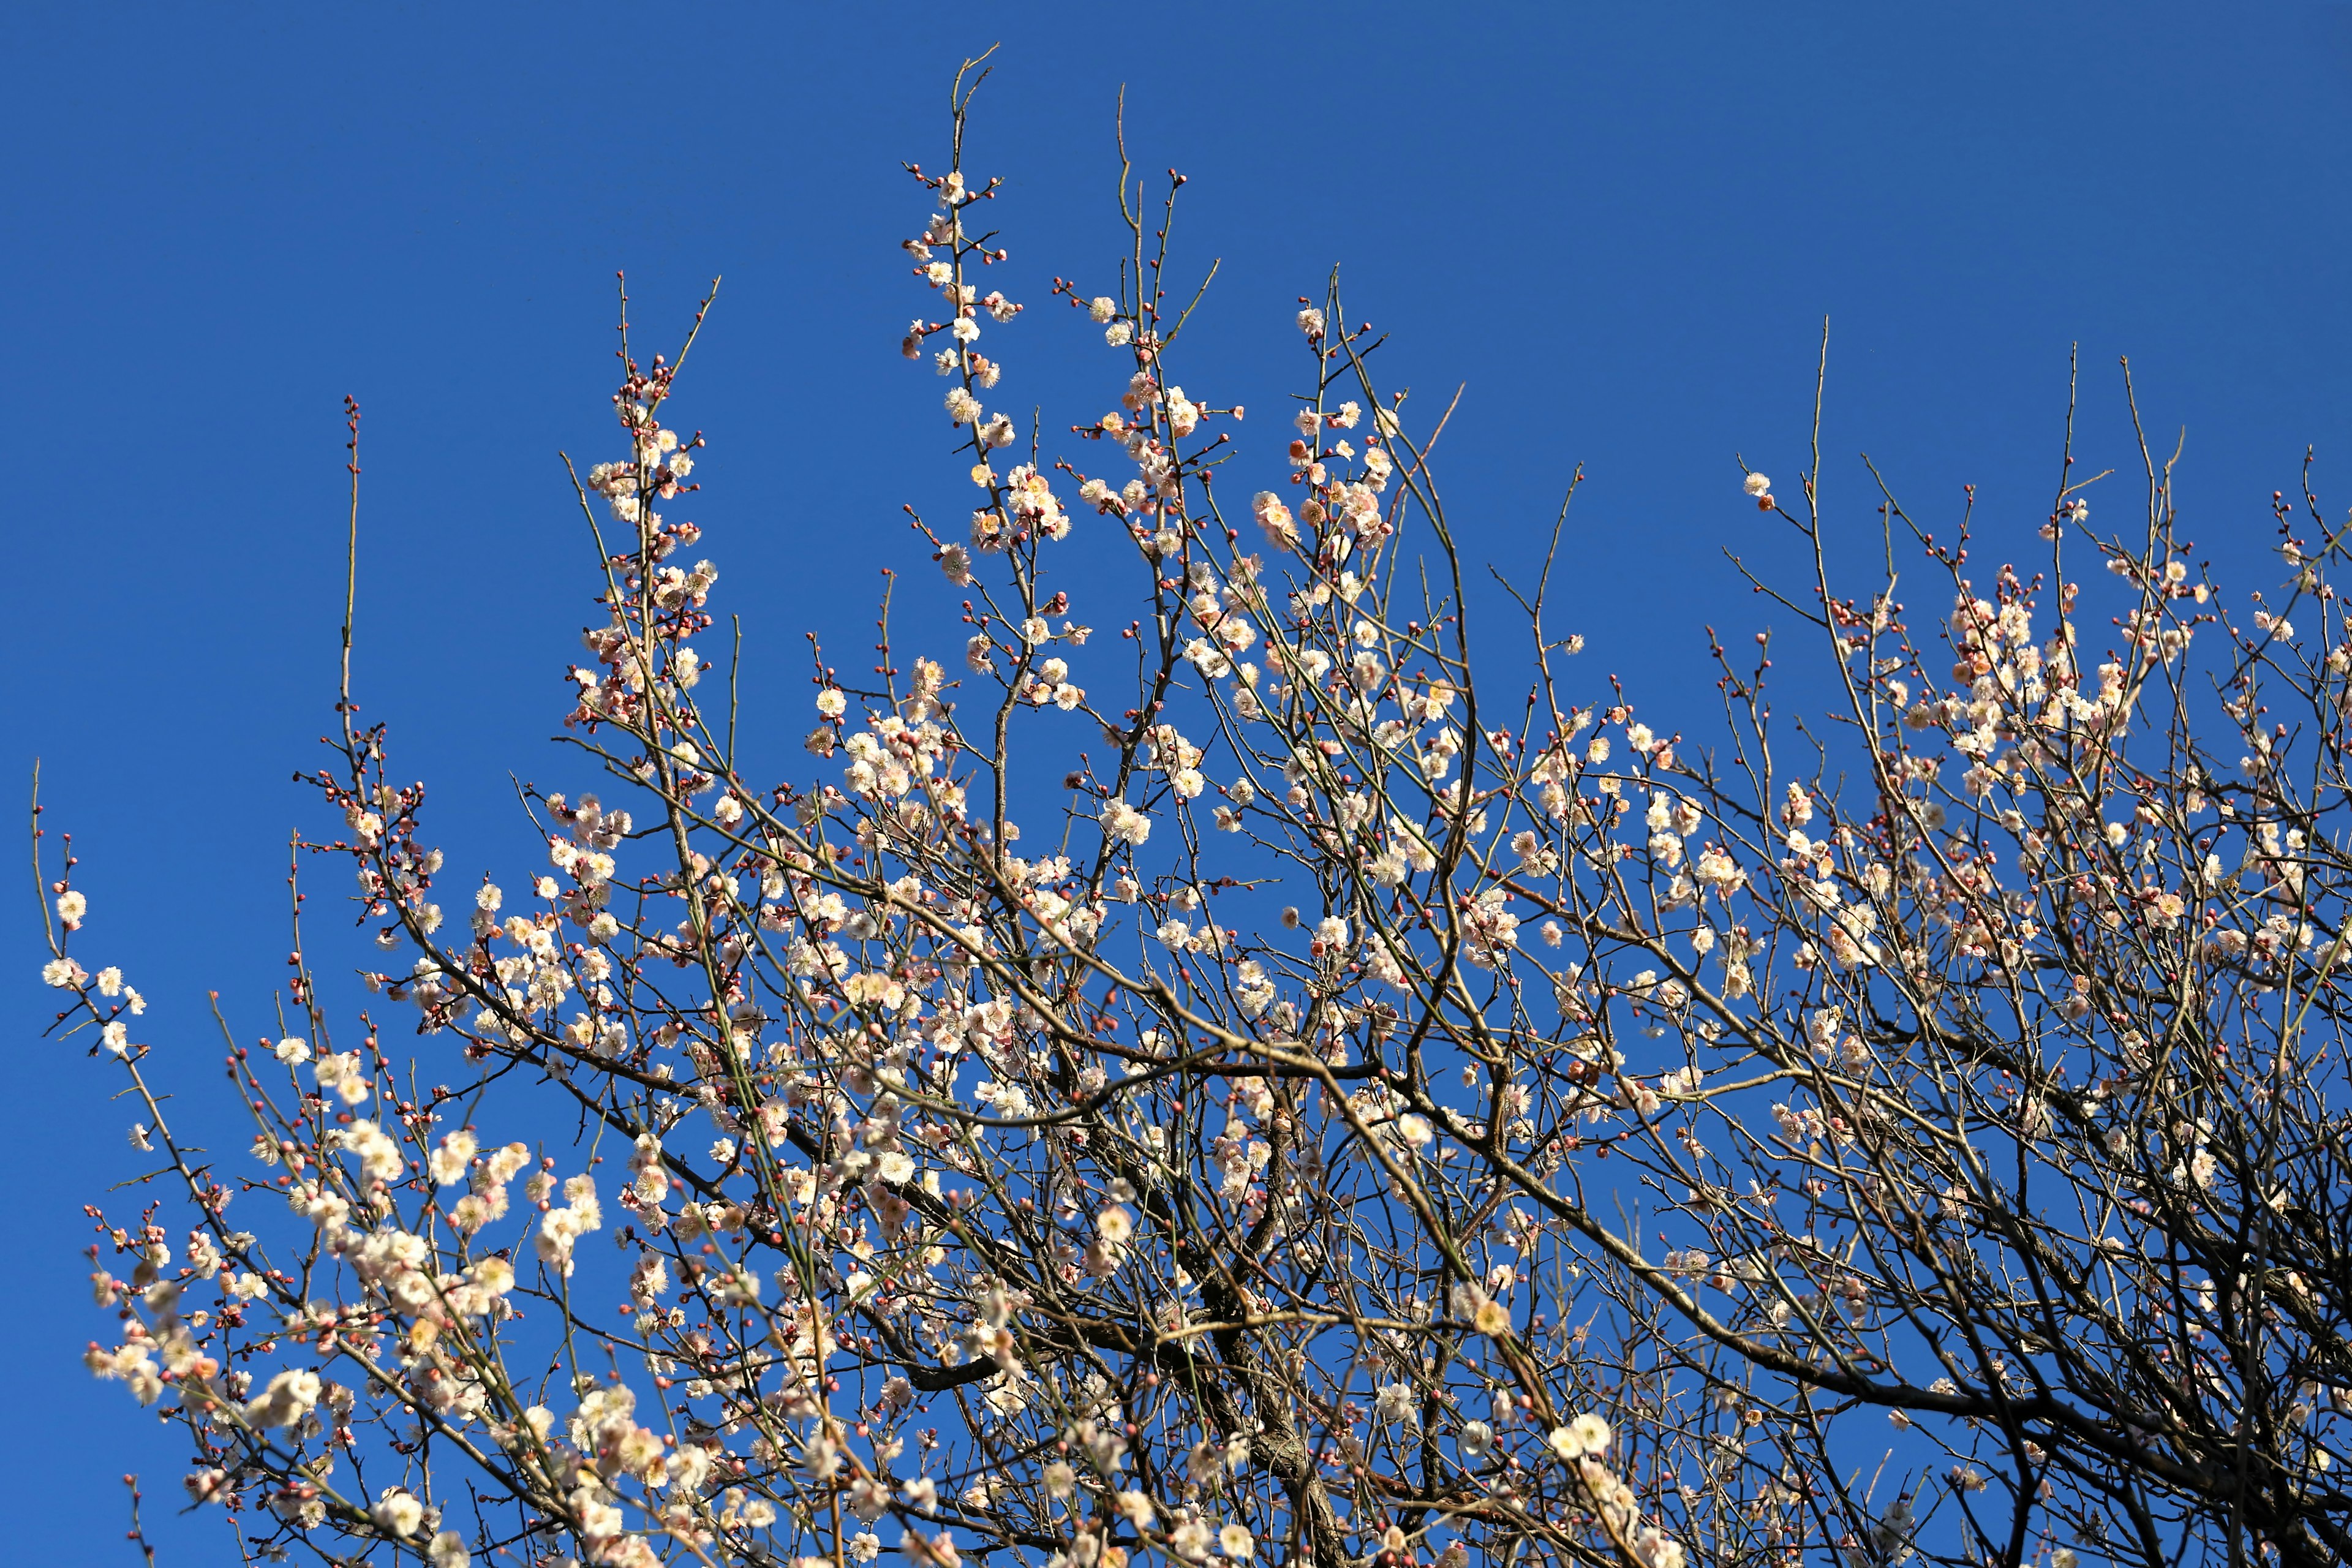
x=1125, y=823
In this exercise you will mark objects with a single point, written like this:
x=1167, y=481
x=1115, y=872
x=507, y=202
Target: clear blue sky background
x=1619, y=227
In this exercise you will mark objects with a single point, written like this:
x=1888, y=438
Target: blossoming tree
x=1378, y=1107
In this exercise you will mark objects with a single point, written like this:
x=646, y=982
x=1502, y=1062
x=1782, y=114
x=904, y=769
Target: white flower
x=397, y=1513
x=1587, y=1435
x=293, y=1050
x=1125, y=823
x=1757, y=485
x=1102, y=308
x=288, y=1398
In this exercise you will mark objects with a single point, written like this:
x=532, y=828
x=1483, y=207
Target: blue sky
x=1618, y=227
